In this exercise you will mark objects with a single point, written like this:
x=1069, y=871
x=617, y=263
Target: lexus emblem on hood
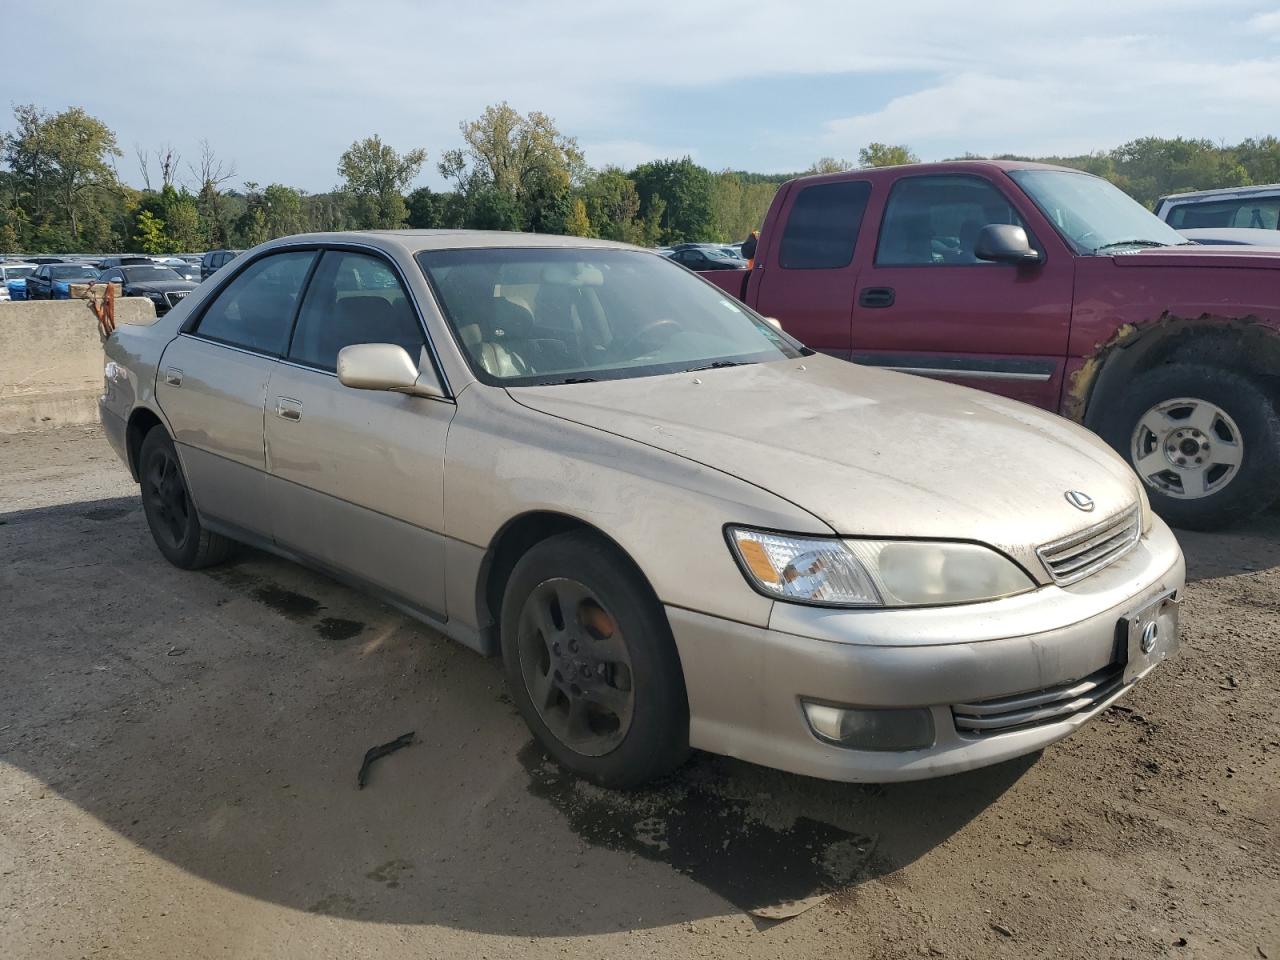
x=1081, y=501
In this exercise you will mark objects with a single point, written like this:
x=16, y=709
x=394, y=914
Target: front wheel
x=1204, y=441
x=591, y=663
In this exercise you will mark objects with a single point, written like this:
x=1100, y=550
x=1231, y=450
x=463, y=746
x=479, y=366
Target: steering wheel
x=624, y=350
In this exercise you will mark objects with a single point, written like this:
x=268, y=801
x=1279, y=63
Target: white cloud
x=1268, y=23
x=285, y=86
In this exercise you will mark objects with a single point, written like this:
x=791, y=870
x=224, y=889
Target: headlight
x=874, y=573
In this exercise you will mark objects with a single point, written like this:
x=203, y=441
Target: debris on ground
x=381, y=750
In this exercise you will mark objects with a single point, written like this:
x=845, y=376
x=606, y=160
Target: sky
x=282, y=87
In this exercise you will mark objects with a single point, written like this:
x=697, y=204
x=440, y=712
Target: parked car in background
x=697, y=256
x=107, y=263
x=50, y=281
x=215, y=260
x=13, y=279
x=187, y=271
x=43, y=260
x=1233, y=236
x=530, y=442
x=1255, y=208
x=1053, y=287
x=159, y=284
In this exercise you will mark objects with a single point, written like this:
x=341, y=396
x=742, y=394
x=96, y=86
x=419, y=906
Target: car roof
x=1259, y=190
x=943, y=166
x=415, y=241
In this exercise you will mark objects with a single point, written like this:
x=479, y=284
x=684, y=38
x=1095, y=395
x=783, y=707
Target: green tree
x=1260, y=157
x=282, y=210
x=833, y=165
x=523, y=156
x=429, y=210
x=685, y=191
x=613, y=206
x=63, y=160
x=578, y=224
x=148, y=233
x=884, y=155
x=375, y=176
x=492, y=209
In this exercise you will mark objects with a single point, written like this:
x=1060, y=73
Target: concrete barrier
x=51, y=360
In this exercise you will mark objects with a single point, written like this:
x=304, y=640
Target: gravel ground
x=178, y=758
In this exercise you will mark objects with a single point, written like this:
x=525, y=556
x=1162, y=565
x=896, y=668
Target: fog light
x=864, y=729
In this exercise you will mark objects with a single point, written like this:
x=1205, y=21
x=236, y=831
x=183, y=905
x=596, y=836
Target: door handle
x=287, y=409
x=876, y=297
x=173, y=377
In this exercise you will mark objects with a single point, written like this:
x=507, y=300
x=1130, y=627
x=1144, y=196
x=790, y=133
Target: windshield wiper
x=718, y=364
x=572, y=380
x=1132, y=243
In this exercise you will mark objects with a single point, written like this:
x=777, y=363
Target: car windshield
x=147, y=274
x=17, y=273
x=72, y=273
x=556, y=315
x=1093, y=215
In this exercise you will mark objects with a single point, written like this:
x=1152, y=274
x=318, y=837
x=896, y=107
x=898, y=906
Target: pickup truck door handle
x=173, y=377
x=287, y=409
x=875, y=297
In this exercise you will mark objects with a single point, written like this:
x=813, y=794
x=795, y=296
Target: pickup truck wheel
x=1205, y=441
x=175, y=525
x=591, y=663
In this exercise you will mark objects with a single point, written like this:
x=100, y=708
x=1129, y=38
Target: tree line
x=60, y=188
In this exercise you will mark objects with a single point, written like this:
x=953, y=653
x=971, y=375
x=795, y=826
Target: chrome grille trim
x=1075, y=557
x=1051, y=705
x=174, y=298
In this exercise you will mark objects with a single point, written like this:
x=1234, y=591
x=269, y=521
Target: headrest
x=509, y=321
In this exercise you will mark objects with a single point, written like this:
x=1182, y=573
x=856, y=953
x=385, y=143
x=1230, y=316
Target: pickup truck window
x=935, y=220
x=822, y=227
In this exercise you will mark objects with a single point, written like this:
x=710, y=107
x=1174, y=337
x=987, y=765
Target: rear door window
x=822, y=227
x=255, y=311
x=353, y=298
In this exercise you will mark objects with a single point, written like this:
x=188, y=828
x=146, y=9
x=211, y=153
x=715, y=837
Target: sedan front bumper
x=1023, y=661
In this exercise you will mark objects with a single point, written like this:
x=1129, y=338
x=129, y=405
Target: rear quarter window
x=822, y=227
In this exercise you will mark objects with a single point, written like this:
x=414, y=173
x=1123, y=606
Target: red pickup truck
x=1050, y=286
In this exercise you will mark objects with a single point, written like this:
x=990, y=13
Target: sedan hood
x=868, y=452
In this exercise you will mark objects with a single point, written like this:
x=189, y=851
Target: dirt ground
x=178, y=759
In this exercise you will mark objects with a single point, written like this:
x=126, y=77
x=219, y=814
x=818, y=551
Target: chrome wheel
x=165, y=497
x=576, y=667
x=1187, y=448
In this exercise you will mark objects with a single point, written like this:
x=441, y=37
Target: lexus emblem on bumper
x=1081, y=501
x=1150, y=634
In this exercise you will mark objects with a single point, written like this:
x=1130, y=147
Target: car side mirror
x=1004, y=243
x=384, y=366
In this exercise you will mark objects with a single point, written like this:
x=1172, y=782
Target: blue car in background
x=13, y=280
x=52, y=281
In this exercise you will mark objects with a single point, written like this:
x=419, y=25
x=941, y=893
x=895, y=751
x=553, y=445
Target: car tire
x=574, y=609
x=171, y=514
x=1180, y=411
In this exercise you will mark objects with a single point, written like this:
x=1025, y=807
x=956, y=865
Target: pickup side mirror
x=1004, y=243
x=384, y=366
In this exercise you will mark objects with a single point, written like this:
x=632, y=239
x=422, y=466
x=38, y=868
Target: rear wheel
x=171, y=515
x=1205, y=441
x=591, y=663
